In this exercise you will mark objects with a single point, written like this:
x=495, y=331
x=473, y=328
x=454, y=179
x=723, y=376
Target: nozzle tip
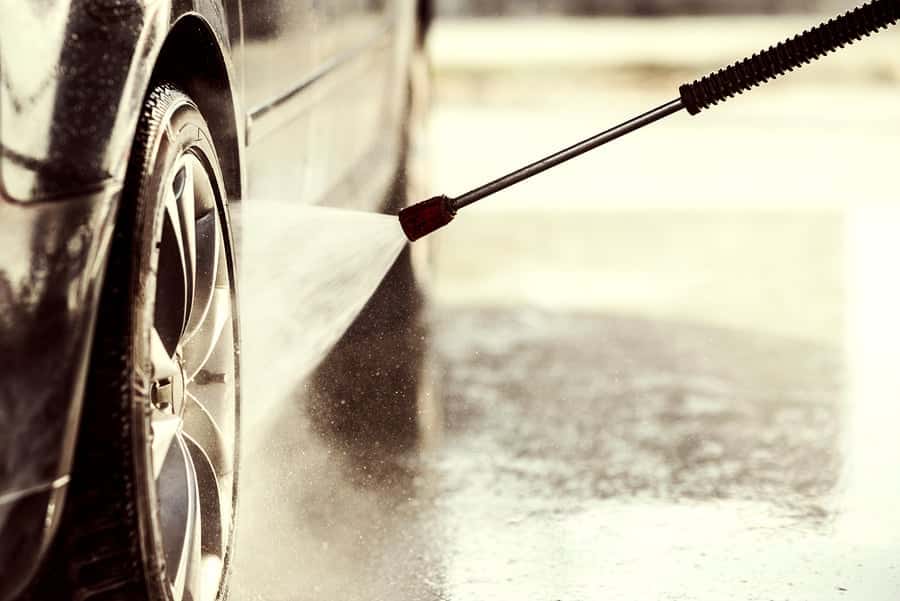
x=423, y=218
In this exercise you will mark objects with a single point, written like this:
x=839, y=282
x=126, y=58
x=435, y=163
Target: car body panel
x=82, y=86
x=82, y=91
x=327, y=95
x=306, y=153
x=49, y=286
x=26, y=521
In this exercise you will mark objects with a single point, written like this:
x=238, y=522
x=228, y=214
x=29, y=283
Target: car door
x=323, y=93
x=278, y=61
x=353, y=136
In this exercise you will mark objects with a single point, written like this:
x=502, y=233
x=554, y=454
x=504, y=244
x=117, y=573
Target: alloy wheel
x=193, y=388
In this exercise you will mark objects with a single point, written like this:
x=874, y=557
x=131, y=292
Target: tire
x=158, y=441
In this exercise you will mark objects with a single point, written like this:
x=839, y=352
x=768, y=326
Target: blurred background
x=810, y=147
x=684, y=341
x=666, y=370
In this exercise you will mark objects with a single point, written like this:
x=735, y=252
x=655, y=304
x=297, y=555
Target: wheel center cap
x=168, y=393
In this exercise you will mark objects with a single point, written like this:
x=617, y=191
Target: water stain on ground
x=598, y=406
x=564, y=436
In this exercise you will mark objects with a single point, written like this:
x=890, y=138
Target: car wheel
x=150, y=511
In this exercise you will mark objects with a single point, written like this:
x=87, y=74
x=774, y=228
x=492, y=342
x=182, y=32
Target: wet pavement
x=532, y=450
x=654, y=396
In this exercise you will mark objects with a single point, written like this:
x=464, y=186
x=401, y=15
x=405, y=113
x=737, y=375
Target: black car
x=130, y=130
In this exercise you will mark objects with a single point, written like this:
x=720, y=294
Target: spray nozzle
x=423, y=218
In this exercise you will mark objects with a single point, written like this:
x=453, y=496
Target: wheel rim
x=193, y=390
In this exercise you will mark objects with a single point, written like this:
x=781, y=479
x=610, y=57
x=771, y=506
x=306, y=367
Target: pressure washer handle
x=789, y=54
x=423, y=218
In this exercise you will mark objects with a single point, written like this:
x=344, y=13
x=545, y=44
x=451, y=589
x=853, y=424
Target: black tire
x=110, y=545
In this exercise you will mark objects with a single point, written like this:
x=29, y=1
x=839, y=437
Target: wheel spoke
x=163, y=365
x=198, y=350
x=202, y=427
x=180, y=516
x=166, y=427
x=170, y=310
x=209, y=242
x=208, y=543
x=187, y=209
x=180, y=215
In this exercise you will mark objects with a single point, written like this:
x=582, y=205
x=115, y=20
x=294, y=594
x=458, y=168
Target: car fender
x=68, y=113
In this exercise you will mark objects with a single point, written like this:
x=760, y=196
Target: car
x=130, y=131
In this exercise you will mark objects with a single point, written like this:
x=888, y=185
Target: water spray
x=429, y=215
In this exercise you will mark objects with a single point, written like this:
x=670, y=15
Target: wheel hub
x=167, y=393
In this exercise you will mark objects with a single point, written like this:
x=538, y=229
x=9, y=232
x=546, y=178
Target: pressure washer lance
x=425, y=217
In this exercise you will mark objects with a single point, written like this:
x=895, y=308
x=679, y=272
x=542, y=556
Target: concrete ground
x=667, y=371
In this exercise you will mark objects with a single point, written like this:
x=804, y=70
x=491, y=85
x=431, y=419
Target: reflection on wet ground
x=664, y=371
x=590, y=407
x=365, y=393
x=505, y=450
x=597, y=456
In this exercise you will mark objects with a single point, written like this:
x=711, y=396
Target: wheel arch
x=192, y=59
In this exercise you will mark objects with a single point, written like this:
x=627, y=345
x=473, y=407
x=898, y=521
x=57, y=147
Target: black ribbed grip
x=788, y=55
